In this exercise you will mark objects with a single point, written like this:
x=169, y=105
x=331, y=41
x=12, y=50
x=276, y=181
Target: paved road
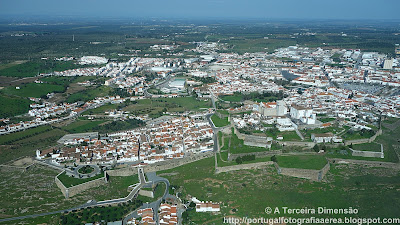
x=153, y=180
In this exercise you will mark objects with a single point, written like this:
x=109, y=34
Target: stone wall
x=74, y=190
x=388, y=165
x=243, y=167
x=314, y=175
x=367, y=154
x=60, y=185
x=173, y=163
x=362, y=141
x=233, y=157
x=163, y=165
x=146, y=193
x=324, y=171
x=297, y=143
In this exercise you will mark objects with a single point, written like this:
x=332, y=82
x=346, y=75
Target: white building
x=207, y=207
x=303, y=114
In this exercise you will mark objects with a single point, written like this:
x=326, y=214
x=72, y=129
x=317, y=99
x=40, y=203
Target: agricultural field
x=13, y=106
x=25, y=143
x=34, y=90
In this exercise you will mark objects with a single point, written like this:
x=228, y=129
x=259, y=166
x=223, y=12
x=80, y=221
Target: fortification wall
x=388, y=165
x=163, y=165
x=368, y=154
x=74, y=190
x=314, y=175
x=362, y=141
x=60, y=185
x=169, y=164
x=242, y=167
x=146, y=193
x=233, y=157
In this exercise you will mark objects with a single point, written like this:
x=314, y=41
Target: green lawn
x=34, y=90
x=314, y=162
x=71, y=181
x=13, y=106
x=218, y=122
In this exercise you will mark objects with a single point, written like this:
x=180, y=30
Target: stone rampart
x=243, y=167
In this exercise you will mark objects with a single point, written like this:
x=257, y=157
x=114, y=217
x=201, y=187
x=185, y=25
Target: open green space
x=237, y=146
x=159, y=190
x=156, y=107
x=89, y=94
x=101, y=213
x=327, y=119
x=358, y=134
x=232, y=98
x=26, y=144
x=34, y=90
x=219, y=122
x=373, y=147
x=73, y=181
x=13, y=106
x=248, y=192
x=81, y=125
x=315, y=162
x=14, y=137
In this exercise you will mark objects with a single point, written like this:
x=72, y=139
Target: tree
x=316, y=148
x=274, y=158
x=239, y=160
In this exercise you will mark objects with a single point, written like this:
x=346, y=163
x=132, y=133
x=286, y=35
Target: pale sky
x=207, y=9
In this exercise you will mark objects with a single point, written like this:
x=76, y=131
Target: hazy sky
x=263, y=9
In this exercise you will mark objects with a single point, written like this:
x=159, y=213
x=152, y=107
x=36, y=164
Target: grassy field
x=155, y=107
x=34, y=90
x=218, y=122
x=237, y=146
x=32, y=68
x=89, y=94
x=159, y=190
x=71, y=181
x=101, y=109
x=81, y=126
x=373, y=147
x=314, y=162
x=13, y=137
x=34, y=191
x=250, y=191
x=232, y=98
x=25, y=143
x=13, y=106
